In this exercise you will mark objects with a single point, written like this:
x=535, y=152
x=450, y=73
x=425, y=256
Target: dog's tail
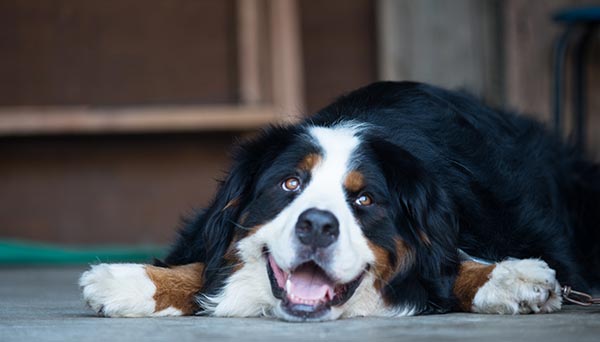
x=584, y=207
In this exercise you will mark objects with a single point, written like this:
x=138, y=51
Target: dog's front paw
x=121, y=290
x=519, y=287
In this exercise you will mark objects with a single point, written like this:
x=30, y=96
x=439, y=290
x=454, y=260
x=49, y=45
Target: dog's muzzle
x=307, y=291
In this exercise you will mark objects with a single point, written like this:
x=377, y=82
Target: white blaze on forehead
x=337, y=146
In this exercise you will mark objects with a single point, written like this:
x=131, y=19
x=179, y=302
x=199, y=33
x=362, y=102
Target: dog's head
x=320, y=222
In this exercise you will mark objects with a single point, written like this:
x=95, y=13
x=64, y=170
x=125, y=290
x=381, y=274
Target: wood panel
x=286, y=56
x=253, y=51
x=454, y=44
x=339, y=48
x=117, y=52
x=16, y=121
x=106, y=189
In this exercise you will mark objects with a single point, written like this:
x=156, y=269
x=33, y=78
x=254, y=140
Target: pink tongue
x=310, y=283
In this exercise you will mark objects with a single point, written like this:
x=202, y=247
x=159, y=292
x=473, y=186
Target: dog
x=368, y=208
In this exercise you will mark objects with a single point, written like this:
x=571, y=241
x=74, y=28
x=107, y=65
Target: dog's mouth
x=307, y=292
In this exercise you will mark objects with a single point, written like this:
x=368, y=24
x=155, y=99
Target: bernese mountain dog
x=373, y=207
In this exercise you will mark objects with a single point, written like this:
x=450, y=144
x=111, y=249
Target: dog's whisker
x=240, y=226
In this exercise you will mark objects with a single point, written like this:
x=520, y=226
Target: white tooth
x=288, y=285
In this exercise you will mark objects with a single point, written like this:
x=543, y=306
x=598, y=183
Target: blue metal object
x=578, y=15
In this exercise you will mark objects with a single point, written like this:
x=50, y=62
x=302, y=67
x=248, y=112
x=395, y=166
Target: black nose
x=317, y=228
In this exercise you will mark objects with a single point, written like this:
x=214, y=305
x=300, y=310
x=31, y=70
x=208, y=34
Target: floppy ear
x=425, y=220
x=207, y=237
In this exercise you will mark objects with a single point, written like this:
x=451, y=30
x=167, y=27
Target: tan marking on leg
x=176, y=286
x=471, y=276
x=309, y=162
x=355, y=181
x=383, y=270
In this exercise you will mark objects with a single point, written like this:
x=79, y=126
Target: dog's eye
x=291, y=184
x=363, y=200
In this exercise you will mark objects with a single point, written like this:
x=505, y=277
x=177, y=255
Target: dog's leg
x=508, y=287
x=136, y=290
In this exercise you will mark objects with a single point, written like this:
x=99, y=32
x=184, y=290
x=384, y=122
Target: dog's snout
x=317, y=228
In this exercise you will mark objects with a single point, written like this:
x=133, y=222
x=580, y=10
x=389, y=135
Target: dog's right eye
x=291, y=184
x=364, y=200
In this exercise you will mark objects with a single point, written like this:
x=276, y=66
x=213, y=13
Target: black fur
x=494, y=184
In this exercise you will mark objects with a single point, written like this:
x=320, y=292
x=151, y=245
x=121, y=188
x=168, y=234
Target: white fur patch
x=518, y=287
x=121, y=290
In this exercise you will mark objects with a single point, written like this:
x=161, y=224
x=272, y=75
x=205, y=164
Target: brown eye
x=363, y=200
x=291, y=184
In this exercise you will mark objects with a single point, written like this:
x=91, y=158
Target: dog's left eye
x=291, y=184
x=363, y=200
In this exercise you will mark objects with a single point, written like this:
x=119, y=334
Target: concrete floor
x=44, y=304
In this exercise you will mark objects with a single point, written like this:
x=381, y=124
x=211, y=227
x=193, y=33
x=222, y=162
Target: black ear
x=425, y=219
x=206, y=237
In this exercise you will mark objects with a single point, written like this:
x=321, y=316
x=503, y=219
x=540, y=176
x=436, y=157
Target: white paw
x=518, y=287
x=121, y=290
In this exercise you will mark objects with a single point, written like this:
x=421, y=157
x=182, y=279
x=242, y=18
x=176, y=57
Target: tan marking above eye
x=354, y=181
x=291, y=184
x=363, y=200
x=309, y=162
